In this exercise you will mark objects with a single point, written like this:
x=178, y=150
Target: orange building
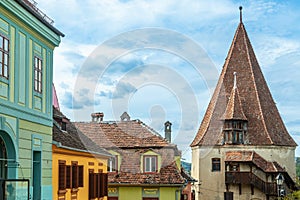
x=79, y=166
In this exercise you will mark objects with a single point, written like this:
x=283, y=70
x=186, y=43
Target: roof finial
x=241, y=14
x=234, y=83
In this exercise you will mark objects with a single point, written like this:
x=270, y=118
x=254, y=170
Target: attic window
x=150, y=163
x=113, y=164
x=234, y=131
x=64, y=126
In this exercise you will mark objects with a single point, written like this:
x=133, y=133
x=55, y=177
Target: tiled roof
x=72, y=138
x=57, y=113
x=265, y=126
x=187, y=176
x=122, y=134
x=132, y=139
x=255, y=158
x=169, y=174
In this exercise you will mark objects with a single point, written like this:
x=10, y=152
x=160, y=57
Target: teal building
x=27, y=42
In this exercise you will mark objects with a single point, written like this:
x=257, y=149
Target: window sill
x=74, y=190
x=39, y=94
x=62, y=191
x=4, y=79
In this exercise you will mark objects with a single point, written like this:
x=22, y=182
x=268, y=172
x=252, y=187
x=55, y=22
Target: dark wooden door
x=112, y=198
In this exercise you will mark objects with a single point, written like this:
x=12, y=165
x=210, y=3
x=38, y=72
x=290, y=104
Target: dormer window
x=234, y=131
x=150, y=163
x=113, y=164
x=64, y=126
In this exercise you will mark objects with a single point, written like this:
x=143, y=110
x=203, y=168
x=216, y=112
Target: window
x=98, y=185
x=113, y=164
x=4, y=56
x=216, y=164
x=234, y=132
x=150, y=163
x=241, y=138
x=74, y=175
x=62, y=175
x=80, y=176
x=70, y=176
x=234, y=137
x=37, y=74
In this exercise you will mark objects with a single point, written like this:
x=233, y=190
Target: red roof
x=131, y=139
x=255, y=158
x=122, y=134
x=265, y=126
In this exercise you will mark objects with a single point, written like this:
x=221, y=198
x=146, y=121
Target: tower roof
x=234, y=110
x=265, y=126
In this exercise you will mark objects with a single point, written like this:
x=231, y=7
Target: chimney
x=97, y=117
x=168, y=131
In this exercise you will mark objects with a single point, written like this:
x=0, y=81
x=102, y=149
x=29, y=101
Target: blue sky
x=159, y=60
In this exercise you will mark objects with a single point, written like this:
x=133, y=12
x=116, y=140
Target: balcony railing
x=33, y=5
x=251, y=179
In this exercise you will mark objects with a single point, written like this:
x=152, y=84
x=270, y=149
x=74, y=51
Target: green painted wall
x=126, y=193
x=169, y=193
x=137, y=193
x=25, y=115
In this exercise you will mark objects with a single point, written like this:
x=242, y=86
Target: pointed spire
x=234, y=110
x=241, y=14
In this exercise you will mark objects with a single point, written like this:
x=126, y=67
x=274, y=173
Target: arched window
x=3, y=160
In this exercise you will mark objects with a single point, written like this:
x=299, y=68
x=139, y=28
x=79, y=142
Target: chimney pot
x=168, y=131
x=97, y=117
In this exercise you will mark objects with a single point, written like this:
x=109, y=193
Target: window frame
x=150, y=157
x=38, y=74
x=215, y=164
x=113, y=164
x=4, y=72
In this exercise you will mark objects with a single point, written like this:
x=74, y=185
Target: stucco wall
x=212, y=184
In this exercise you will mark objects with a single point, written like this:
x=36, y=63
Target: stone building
x=242, y=144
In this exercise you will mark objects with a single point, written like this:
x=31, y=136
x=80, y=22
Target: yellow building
x=79, y=165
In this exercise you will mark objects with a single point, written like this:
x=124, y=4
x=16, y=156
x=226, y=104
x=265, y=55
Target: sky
x=160, y=60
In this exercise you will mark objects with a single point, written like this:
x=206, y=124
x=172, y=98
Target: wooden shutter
x=62, y=175
x=74, y=176
x=98, y=185
x=92, y=186
x=68, y=176
x=104, y=184
x=80, y=176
